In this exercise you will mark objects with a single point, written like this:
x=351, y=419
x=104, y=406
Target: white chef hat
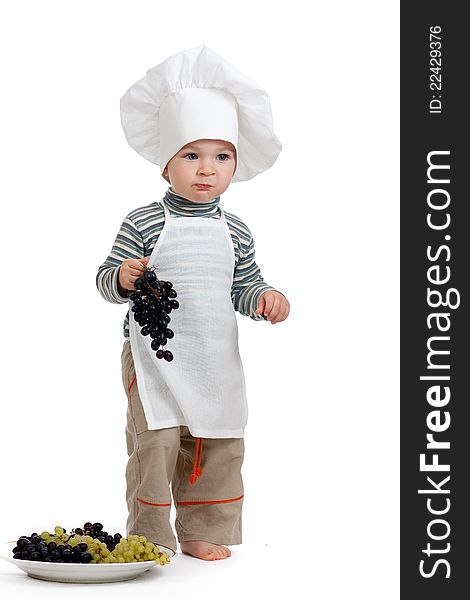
x=194, y=95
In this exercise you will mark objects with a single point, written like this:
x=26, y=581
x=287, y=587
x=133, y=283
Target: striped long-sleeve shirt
x=140, y=231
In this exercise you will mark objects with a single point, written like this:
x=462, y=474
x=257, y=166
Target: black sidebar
x=435, y=332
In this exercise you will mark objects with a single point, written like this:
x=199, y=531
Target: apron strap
x=197, y=470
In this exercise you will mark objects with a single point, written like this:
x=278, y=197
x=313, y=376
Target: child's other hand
x=130, y=270
x=274, y=306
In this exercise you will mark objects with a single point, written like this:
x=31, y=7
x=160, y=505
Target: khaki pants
x=209, y=509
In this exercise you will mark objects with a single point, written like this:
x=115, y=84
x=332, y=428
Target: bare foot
x=205, y=550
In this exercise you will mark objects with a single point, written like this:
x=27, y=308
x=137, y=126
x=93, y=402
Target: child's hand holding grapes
x=130, y=270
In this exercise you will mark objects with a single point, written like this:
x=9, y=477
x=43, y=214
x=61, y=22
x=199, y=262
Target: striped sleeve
x=128, y=244
x=248, y=284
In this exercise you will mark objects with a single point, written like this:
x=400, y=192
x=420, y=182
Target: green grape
x=59, y=530
x=45, y=535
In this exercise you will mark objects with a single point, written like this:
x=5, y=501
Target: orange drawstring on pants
x=197, y=470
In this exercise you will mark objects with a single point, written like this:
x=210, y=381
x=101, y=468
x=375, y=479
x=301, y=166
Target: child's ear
x=165, y=175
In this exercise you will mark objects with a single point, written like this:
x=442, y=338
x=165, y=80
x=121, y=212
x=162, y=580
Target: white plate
x=81, y=572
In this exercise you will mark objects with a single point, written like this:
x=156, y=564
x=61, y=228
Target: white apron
x=203, y=387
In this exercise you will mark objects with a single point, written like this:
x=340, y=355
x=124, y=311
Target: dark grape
x=145, y=330
x=160, y=337
x=160, y=354
x=169, y=334
x=172, y=294
x=168, y=356
x=174, y=304
x=168, y=285
x=155, y=345
x=55, y=555
x=150, y=277
x=138, y=283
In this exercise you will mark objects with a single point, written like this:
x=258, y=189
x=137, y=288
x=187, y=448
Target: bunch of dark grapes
x=153, y=300
x=95, y=530
x=39, y=548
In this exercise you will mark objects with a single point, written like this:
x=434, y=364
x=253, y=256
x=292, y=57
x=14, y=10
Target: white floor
x=249, y=570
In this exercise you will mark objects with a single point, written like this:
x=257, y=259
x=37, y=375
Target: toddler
x=205, y=124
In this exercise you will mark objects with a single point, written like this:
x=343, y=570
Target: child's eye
x=223, y=154
x=190, y=154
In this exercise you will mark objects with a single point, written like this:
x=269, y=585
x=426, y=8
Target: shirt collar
x=182, y=206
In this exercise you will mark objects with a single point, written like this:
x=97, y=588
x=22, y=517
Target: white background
x=321, y=504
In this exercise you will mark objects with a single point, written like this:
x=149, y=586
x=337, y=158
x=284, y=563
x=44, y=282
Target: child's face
x=211, y=162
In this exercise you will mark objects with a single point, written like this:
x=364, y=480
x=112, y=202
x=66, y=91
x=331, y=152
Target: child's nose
x=206, y=168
